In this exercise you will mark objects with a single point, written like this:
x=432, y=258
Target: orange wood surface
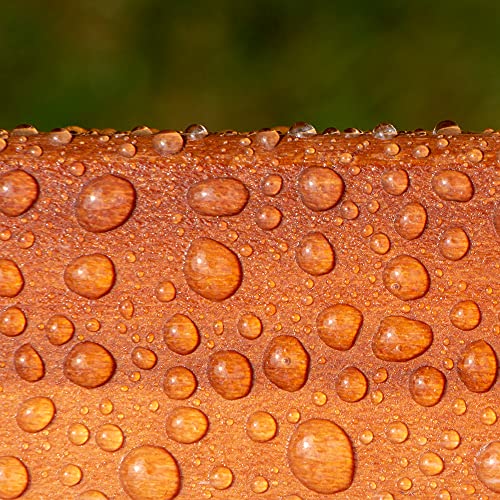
x=278, y=314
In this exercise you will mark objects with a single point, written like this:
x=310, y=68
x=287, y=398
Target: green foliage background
x=249, y=64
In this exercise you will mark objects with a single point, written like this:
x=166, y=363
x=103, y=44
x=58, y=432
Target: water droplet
x=380, y=243
x=261, y=427
x=319, y=398
x=397, y=432
x=28, y=363
x=230, y=374
x=268, y=217
x=77, y=169
x=286, y=363
x=18, y=192
x=487, y=465
x=186, y=425
x=12, y=321
x=109, y=437
x=90, y=276
x=126, y=308
x=105, y=203
x=223, y=196
x=477, y=366
x=13, y=477
x=401, y=339
x=221, y=477
x=465, y=315
x=430, y=464
x=24, y=130
x=268, y=139
x=349, y=210
x=249, y=326
x=395, y=182
x=181, y=334
x=127, y=150
x=89, y=365
x=302, y=130
x=459, y=406
x=405, y=484
x=179, y=383
x=195, y=132
x=421, y=151
x=488, y=416
x=406, y=278
x=168, y=143
x=452, y=185
x=272, y=184
x=366, y=437
x=321, y=457
x=11, y=278
x=60, y=136
x=92, y=495
x=150, y=472
x=59, y=329
x=447, y=127
x=410, y=221
x=165, y=291
x=454, y=243
x=320, y=188
x=450, y=439
x=143, y=358
x=35, y=414
x=78, y=434
x=351, y=385
x=260, y=485
x=315, y=254
x=385, y=131
x=70, y=475
x=212, y=270
x=380, y=376
x=427, y=385
x=26, y=240
x=338, y=326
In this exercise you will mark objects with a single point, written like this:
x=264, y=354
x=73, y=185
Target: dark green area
x=252, y=64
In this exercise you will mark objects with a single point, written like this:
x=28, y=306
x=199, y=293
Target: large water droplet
x=168, y=142
x=454, y=243
x=13, y=477
x=11, y=278
x=302, y=130
x=230, y=374
x=411, y=220
x=186, y=425
x=320, y=188
x=385, y=131
x=12, y=321
x=286, y=363
x=465, y=315
x=18, y=192
x=181, y=334
x=488, y=466
x=90, y=276
x=212, y=270
x=406, y=277
x=401, y=339
x=89, y=365
x=321, y=457
x=28, y=363
x=338, y=326
x=351, y=385
x=315, y=254
x=268, y=139
x=395, y=182
x=447, y=127
x=195, y=132
x=477, y=366
x=427, y=385
x=261, y=427
x=272, y=185
x=179, y=383
x=105, y=203
x=218, y=197
x=35, y=414
x=452, y=185
x=150, y=473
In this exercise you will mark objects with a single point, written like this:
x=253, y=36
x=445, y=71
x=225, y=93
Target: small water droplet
x=427, y=385
x=186, y=425
x=380, y=243
x=249, y=326
x=230, y=374
x=286, y=363
x=447, y=127
x=261, y=427
x=385, y=131
x=406, y=278
x=459, y=406
x=302, y=130
x=221, y=477
x=488, y=416
x=168, y=142
x=149, y=472
x=268, y=217
x=454, y=243
x=109, y=437
x=315, y=254
x=11, y=278
x=320, y=188
x=477, y=366
x=195, y=132
x=26, y=240
x=453, y=185
x=143, y=358
x=59, y=329
x=180, y=383
x=272, y=184
x=411, y=220
x=165, y=291
x=450, y=439
x=223, y=196
x=181, y=334
x=351, y=385
x=397, y=432
x=268, y=139
x=60, y=136
x=35, y=414
x=28, y=363
x=339, y=325
x=12, y=321
x=127, y=150
x=78, y=434
x=70, y=475
x=465, y=315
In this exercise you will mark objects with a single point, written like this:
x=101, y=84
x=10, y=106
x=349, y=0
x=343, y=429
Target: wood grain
x=278, y=314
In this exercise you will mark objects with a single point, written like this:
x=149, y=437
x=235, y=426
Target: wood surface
x=279, y=314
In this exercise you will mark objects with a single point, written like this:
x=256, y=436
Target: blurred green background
x=245, y=65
